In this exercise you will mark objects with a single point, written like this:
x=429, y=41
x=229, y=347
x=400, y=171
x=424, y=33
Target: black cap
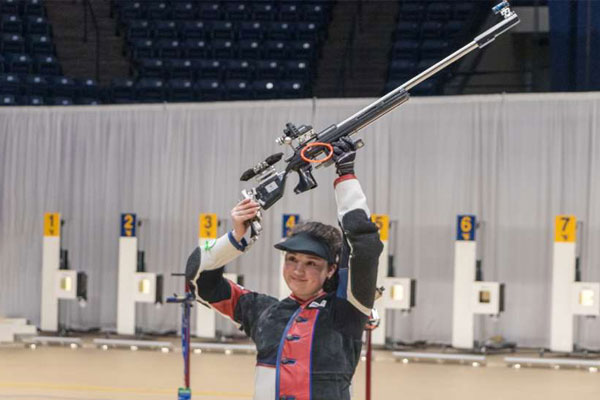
x=305, y=243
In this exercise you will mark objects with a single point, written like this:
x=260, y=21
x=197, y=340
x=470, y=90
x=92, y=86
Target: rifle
x=306, y=144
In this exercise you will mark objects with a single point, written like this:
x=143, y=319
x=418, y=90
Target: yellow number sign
x=208, y=226
x=383, y=224
x=52, y=224
x=565, y=228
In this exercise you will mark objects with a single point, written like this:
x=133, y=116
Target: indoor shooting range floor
x=61, y=373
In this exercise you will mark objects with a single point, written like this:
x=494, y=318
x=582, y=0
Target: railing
x=87, y=6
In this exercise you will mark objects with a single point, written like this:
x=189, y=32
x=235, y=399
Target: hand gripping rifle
x=306, y=144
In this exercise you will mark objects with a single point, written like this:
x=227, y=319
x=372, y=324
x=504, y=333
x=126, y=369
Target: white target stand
x=398, y=293
x=471, y=297
x=135, y=285
x=58, y=282
x=206, y=326
x=288, y=221
x=569, y=297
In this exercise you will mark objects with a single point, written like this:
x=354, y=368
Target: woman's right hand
x=243, y=212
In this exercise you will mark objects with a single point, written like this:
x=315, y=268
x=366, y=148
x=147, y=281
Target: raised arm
x=361, y=246
x=204, y=272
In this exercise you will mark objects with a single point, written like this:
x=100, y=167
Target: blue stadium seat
x=36, y=85
x=222, y=48
x=425, y=63
x=208, y=90
x=139, y=29
x=180, y=68
x=10, y=84
x=165, y=30
x=463, y=10
x=151, y=68
x=315, y=12
x=150, y=90
x=222, y=30
x=412, y=11
x=2, y=61
x=12, y=43
x=293, y=89
x=88, y=101
x=122, y=90
x=289, y=12
x=41, y=44
x=183, y=11
x=239, y=69
x=196, y=48
x=9, y=7
x=210, y=11
x=237, y=89
x=249, y=49
x=251, y=30
x=454, y=27
x=168, y=48
x=158, y=10
x=32, y=100
x=193, y=29
x=281, y=31
x=307, y=31
x=236, y=11
x=61, y=86
x=60, y=101
x=434, y=48
x=19, y=63
x=439, y=12
x=263, y=11
x=400, y=69
x=11, y=24
x=129, y=11
x=37, y=25
x=405, y=49
x=47, y=65
x=88, y=89
x=302, y=49
x=7, y=99
x=265, y=89
x=276, y=49
x=142, y=48
x=268, y=69
x=180, y=90
x=34, y=7
x=297, y=70
x=407, y=30
x=432, y=29
x=208, y=69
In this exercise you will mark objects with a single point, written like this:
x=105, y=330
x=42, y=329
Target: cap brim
x=306, y=244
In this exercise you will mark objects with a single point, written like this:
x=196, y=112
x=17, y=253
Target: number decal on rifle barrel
x=51, y=224
x=208, y=226
x=565, y=228
x=288, y=223
x=383, y=224
x=128, y=225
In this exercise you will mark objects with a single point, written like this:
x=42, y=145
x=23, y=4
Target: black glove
x=344, y=153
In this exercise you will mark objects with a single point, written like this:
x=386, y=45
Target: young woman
x=309, y=343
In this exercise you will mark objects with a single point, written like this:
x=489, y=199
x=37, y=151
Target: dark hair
x=332, y=238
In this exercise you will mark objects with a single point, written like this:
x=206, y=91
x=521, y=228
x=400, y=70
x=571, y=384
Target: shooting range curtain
x=515, y=161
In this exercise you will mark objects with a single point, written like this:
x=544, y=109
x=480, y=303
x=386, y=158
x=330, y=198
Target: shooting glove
x=344, y=153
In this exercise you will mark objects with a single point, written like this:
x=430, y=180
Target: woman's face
x=305, y=274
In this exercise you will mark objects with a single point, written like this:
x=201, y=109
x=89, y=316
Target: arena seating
x=426, y=32
x=183, y=50
x=30, y=73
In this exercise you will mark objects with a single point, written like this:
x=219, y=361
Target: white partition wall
x=569, y=298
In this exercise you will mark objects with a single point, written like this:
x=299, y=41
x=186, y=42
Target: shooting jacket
x=307, y=350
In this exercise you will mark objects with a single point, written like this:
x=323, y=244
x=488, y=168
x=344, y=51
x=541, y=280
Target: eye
x=311, y=264
x=290, y=258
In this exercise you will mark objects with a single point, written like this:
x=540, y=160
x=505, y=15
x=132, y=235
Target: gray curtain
x=513, y=160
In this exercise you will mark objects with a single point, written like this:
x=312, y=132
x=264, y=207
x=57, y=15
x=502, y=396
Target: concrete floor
x=60, y=373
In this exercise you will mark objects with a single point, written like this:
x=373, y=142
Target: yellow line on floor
x=53, y=386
